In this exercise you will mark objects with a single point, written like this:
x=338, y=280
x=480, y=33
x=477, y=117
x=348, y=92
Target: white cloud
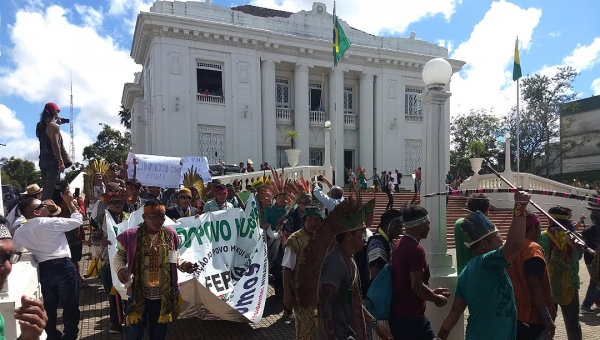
x=47, y=50
x=449, y=45
x=10, y=126
x=486, y=79
x=554, y=34
x=390, y=16
x=596, y=86
x=91, y=17
x=584, y=56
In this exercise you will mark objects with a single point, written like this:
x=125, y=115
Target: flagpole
x=518, y=129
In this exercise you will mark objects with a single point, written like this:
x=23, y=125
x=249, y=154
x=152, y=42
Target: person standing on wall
x=51, y=162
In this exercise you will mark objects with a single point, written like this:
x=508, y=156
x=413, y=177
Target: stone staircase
x=455, y=210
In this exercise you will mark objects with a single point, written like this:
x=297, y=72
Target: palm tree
x=292, y=135
x=125, y=116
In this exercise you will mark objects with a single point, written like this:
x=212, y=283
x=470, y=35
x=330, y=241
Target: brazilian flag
x=517, y=65
x=340, y=41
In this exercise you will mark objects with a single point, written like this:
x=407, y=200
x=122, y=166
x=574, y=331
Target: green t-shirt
x=463, y=254
x=272, y=215
x=362, y=179
x=2, y=327
x=485, y=286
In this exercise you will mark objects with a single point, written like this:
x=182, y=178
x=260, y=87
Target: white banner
x=200, y=164
x=229, y=246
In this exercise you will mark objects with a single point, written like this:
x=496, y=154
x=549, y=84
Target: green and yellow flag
x=517, y=65
x=340, y=41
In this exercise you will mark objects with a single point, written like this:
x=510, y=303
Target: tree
x=540, y=126
x=125, y=116
x=74, y=171
x=478, y=125
x=292, y=135
x=19, y=172
x=110, y=145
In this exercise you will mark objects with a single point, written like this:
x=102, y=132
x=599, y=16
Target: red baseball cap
x=50, y=106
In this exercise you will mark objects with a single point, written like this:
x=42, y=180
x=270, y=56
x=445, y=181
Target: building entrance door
x=212, y=143
x=348, y=164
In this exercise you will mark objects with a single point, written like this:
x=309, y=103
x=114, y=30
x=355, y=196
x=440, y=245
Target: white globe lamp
x=327, y=124
x=437, y=73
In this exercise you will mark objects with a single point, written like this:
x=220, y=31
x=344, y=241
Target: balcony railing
x=317, y=118
x=210, y=99
x=284, y=115
x=350, y=121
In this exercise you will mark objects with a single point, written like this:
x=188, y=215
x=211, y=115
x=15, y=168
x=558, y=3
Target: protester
x=44, y=237
x=51, y=162
x=99, y=237
x=562, y=257
x=31, y=315
x=134, y=190
x=197, y=201
x=417, y=174
x=14, y=217
x=220, y=200
x=272, y=223
x=333, y=197
x=234, y=198
x=411, y=281
x=591, y=235
x=306, y=325
x=390, y=193
x=294, y=220
x=531, y=285
x=477, y=202
x=484, y=285
x=183, y=207
x=147, y=259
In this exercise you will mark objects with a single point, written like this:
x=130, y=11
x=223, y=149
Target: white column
x=365, y=117
x=435, y=147
x=336, y=116
x=269, y=137
x=507, y=158
x=327, y=162
x=378, y=121
x=301, y=111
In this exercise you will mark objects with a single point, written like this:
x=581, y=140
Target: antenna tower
x=72, y=147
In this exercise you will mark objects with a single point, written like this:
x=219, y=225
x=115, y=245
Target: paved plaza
x=94, y=320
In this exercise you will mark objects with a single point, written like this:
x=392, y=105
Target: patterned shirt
x=293, y=222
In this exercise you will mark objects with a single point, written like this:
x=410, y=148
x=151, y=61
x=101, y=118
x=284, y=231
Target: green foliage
x=125, y=116
x=292, y=135
x=476, y=148
x=73, y=172
x=19, y=172
x=111, y=145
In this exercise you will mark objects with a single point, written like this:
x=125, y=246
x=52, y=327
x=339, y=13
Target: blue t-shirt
x=487, y=289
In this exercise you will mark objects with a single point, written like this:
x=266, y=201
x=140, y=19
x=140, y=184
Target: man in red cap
x=51, y=161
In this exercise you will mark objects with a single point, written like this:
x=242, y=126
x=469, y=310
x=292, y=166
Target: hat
x=477, y=226
x=184, y=192
x=52, y=207
x=32, y=189
x=311, y=210
x=250, y=161
x=50, y=106
x=119, y=194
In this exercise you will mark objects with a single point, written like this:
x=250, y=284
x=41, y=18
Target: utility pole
x=71, y=121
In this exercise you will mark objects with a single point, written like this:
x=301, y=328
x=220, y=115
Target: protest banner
x=229, y=246
x=200, y=164
x=159, y=171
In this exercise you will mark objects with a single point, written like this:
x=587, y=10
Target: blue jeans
x=49, y=169
x=157, y=331
x=592, y=291
x=106, y=277
x=60, y=282
x=404, y=328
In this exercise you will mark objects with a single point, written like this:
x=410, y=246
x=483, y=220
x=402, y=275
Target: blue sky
x=44, y=42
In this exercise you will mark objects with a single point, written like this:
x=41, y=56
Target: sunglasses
x=13, y=257
x=42, y=205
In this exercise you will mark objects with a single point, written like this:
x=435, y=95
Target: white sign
x=159, y=171
x=229, y=246
x=200, y=164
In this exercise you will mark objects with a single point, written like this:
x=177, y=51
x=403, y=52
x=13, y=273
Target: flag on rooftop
x=340, y=41
x=517, y=64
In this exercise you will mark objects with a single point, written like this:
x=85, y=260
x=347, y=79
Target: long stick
x=574, y=237
x=586, y=198
x=518, y=130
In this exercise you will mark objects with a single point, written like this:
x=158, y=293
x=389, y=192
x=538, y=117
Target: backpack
x=378, y=300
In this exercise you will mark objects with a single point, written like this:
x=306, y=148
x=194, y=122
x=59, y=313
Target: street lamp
x=327, y=161
x=436, y=146
x=507, y=153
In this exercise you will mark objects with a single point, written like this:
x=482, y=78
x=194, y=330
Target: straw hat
x=52, y=207
x=32, y=189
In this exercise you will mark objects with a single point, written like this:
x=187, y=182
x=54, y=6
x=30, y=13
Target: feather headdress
x=271, y=186
x=97, y=167
x=348, y=215
x=191, y=179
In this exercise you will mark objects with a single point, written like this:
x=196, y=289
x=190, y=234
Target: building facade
x=580, y=122
x=229, y=83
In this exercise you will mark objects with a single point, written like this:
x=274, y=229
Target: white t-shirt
x=289, y=258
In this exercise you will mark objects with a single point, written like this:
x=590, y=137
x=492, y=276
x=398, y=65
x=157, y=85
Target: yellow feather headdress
x=191, y=179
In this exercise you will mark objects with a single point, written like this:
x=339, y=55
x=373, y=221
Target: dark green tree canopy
x=111, y=145
x=19, y=172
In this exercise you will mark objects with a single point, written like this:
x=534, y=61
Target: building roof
x=261, y=11
x=581, y=105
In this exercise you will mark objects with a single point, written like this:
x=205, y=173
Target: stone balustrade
x=210, y=99
x=306, y=172
x=284, y=115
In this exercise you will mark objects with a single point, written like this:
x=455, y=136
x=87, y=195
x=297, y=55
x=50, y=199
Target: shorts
x=76, y=252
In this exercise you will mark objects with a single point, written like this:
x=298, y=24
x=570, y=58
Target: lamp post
x=507, y=151
x=327, y=162
x=436, y=145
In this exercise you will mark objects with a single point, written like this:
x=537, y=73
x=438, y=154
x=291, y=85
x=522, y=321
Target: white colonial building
x=228, y=83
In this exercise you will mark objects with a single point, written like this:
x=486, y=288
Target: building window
x=281, y=157
x=412, y=155
x=413, y=111
x=315, y=157
x=348, y=100
x=282, y=93
x=209, y=77
x=315, y=100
